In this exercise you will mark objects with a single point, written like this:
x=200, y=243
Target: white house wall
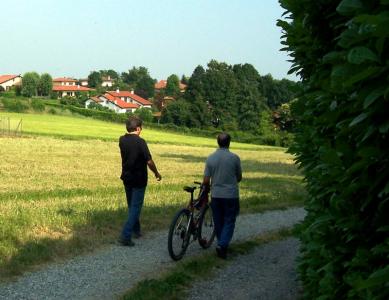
x=9, y=83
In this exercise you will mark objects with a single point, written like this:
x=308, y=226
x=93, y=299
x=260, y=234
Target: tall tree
x=94, y=79
x=139, y=79
x=184, y=79
x=134, y=75
x=220, y=87
x=30, y=83
x=45, y=84
x=249, y=101
x=195, y=84
x=177, y=112
x=111, y=73
x=145, y=87
x=172, y=86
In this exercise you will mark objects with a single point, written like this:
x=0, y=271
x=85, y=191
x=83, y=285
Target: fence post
x=5, y=127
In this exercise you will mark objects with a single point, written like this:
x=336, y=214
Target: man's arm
x=239, y=171
x=206, y=180
x=153, y=168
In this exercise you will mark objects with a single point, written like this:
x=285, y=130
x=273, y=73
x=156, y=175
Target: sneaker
x=221, y=252
x=127, y=243
x=203, y=242
x=137, y=235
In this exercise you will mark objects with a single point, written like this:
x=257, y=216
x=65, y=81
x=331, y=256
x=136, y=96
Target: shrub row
x=341, y=51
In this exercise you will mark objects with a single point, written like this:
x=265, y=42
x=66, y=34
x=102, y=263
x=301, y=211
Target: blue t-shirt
x=224, y=169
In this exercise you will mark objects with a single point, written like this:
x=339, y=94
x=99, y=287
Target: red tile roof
x=128, y=94
x=4, y=78
x=117, y=101
x=109, y=97
x=64, y=79
x=162, y=85
x=70, y=88
x=96, y=99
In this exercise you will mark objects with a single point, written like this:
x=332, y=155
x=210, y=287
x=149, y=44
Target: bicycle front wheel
x=178, y=238
x=207, y=228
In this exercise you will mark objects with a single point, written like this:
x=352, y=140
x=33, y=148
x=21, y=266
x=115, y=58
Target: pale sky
x=71, y=38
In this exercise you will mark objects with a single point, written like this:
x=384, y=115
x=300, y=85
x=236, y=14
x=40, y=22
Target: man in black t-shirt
x=136, y=158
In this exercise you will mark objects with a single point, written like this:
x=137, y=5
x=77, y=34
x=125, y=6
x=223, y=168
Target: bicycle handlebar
x=197, y=182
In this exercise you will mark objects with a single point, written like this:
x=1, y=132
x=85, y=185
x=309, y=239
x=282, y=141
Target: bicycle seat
x=189, y=189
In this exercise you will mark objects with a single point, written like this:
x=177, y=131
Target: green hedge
x=13, y=105
x=341, y=51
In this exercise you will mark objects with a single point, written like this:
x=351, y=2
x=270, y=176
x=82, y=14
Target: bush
x=37, y=105
x=145, y=114
x=341, y=51
x=14, y=105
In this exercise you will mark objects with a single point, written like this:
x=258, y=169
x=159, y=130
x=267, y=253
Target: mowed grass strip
x=76, y=127
x=59, y=198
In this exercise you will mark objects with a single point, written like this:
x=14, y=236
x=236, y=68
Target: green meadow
x=60, y=192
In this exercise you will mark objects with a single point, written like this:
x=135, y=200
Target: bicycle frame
x=189, y=222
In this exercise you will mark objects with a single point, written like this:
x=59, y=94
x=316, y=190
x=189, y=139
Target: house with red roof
x=120, y=101
x=8, y=81
x=69, y=90
x=130, y=97
x=65, y=86
x=64, y=81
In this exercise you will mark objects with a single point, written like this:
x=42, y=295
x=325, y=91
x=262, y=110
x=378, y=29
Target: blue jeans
x=224, y=213
x=135, y=197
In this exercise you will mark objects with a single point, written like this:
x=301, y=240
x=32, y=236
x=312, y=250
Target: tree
x=140, y=80
x=195, y=84
x=145, y=114
x=111, y=73
x=249, y=101
x=30, y=84
x=220, y=87
x=134, y=75
x=184, y=79
x=177, y=112
x=172, y=86
x=45, y=85
x=277, y=92
x=94, y=79
x=145, y=87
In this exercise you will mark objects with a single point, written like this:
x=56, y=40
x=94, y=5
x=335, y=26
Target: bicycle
x=195, y=221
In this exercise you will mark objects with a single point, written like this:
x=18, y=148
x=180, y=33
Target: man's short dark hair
x=132, y=123
x=224, y=139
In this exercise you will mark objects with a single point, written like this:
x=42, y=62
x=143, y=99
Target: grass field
x=79, y=127
x=63, y=196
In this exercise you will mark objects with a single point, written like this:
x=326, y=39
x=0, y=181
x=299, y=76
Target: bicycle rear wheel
x=206, y=228
x=178, y=239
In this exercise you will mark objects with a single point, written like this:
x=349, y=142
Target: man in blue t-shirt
x=136, y=158
x=223, y=172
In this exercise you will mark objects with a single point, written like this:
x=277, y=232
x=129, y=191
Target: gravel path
x=273, y=275
x=109, y=272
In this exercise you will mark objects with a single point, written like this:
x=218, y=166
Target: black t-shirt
x=135, y=155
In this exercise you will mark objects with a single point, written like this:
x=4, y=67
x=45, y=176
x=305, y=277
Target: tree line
x=232, y=97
